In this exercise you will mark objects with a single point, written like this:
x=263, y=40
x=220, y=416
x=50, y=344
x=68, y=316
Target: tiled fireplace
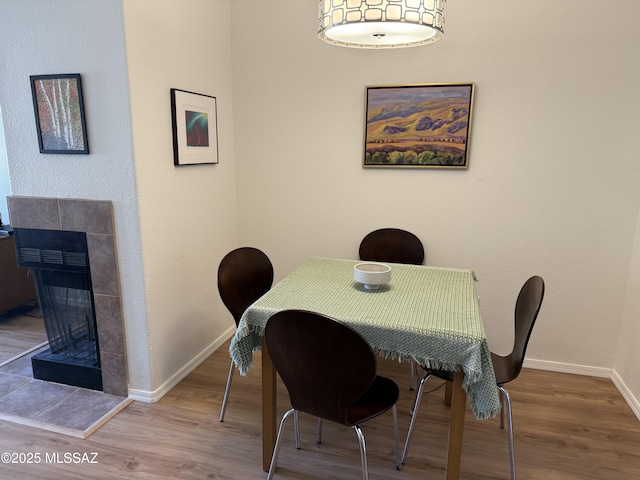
x=95, y=218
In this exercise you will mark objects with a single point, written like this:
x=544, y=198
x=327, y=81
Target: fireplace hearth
x=94, y=219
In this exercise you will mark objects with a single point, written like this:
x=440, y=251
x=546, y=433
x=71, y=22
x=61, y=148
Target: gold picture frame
x=418, y=126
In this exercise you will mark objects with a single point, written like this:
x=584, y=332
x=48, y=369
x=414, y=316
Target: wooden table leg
x=448, y=388
x=268, y=407
x=456, y=428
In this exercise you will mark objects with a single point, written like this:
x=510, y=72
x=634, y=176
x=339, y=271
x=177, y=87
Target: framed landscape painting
x=59, y=111
x=418, y=126
x=195, y=128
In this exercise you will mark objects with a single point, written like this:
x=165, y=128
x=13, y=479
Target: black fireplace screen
x=60, y=265
x=66, y=305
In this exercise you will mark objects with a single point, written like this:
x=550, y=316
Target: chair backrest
x=325, y=365
x=526, y=311
x=244, y=275
x=392, y=245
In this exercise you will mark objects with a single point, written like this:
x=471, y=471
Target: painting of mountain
x=424, y=125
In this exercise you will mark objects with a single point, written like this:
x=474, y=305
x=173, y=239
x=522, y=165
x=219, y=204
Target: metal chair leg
x=319, y=436
x=512, y=459
x=363, y=448
x=501, y=409
x=396, y=437
x=424, y=379
x=363, y=452
x=412, y=371
x=226, y=392
x=414, y=414
x=296, y=427
x=276, y=449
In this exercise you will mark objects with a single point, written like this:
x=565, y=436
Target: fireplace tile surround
x=95, y=218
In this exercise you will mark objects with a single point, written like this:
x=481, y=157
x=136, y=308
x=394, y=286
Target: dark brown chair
x=506, y=368
x=393, y=245
x=244, y=275
x=329, y=371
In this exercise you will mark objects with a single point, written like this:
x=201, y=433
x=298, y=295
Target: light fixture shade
x=380, y=23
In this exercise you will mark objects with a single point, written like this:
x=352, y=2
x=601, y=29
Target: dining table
x=427, y=314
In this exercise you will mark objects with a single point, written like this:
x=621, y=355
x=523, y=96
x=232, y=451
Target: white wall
x=187, y=214
x=173, y=225
x=74, y=36
x=552, y=185
x=5, y=185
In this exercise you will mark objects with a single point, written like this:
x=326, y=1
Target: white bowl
x=371, y=274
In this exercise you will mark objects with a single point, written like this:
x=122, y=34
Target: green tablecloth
x=428, y=314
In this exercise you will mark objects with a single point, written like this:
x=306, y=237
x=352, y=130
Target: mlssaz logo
x=71, y=457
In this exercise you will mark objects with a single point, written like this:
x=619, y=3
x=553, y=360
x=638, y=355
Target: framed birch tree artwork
x=59, y=111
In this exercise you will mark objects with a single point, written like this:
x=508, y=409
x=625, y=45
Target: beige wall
x=627, y=374
x=552, y=185
x=187, y=214
x=551, y=188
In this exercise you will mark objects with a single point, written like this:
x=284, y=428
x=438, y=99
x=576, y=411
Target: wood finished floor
x=21, y=330
x=566, y=427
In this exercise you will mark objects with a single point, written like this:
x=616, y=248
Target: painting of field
x=418, y=125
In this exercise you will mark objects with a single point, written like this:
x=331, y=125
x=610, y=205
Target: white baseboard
x=626, y=393
x=154, y=396
x=567, y=368
x=629, y=397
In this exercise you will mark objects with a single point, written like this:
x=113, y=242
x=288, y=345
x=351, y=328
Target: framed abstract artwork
x=59, y=112
x=418, y=126
x=195, y=128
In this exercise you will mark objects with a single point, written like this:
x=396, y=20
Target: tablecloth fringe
x=470, y=377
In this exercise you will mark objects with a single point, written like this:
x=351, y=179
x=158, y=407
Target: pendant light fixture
x=380, y=23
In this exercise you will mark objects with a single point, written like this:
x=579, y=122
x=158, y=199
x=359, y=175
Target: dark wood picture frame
x=194, y=122
x=59, y=110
